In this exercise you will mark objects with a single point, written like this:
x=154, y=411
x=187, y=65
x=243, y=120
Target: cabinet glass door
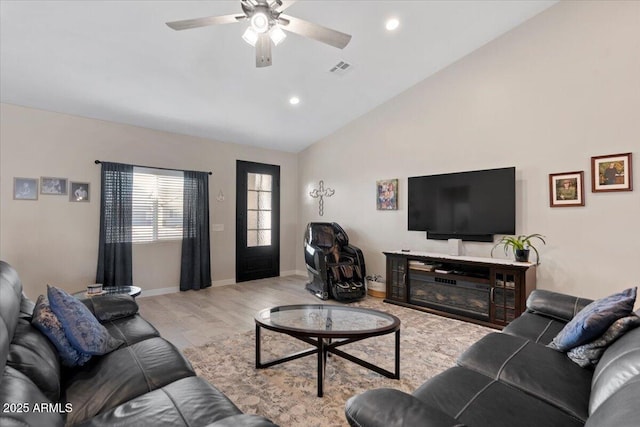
x=503, y=296
x=397, y=278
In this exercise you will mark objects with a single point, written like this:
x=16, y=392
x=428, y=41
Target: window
x=259, y=193
x=157, y=205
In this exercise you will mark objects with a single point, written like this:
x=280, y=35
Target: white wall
x=54, y=241
x=544, y=98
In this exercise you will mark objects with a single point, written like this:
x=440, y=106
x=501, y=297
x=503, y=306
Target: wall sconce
x=220, y=196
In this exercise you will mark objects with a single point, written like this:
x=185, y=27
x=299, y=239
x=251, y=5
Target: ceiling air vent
x=340, y=68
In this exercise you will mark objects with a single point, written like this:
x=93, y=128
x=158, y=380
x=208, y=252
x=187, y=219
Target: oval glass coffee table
x=320, y=324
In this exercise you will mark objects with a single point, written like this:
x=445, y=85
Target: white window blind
x=157, y=205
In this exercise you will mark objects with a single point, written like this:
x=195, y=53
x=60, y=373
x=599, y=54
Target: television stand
x=487, y=291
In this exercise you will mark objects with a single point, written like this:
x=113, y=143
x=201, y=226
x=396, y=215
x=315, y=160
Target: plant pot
x=522, y=255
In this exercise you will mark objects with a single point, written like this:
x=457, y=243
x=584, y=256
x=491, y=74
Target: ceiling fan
x=266, y=24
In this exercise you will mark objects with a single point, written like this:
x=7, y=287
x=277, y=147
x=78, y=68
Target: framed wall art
x=566, y=189
x=611, y=173
x=387, y=194
x=79, y=192
x=25, y=188
x=53, y=186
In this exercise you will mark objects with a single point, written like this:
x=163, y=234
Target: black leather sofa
x=146, y=382
x=512, y=379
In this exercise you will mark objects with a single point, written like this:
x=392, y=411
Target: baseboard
x=293, y=273
x=159, y=291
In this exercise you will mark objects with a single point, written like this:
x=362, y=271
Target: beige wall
x=544, y=98
x=55, y=241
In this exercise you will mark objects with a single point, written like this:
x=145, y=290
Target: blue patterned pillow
x=593, y=320
x=589, y=354
x=46, y=321
x=80, y=326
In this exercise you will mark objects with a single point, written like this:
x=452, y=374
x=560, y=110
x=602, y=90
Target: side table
x=134, y=291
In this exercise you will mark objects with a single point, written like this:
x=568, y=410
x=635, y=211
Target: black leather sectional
x=146, y=382
x=512, y=379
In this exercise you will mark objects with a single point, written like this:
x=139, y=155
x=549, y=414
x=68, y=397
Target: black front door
x=257, y=221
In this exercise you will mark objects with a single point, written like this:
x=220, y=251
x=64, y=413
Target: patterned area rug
x=286, y=393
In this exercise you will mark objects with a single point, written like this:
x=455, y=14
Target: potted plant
x=520, y=245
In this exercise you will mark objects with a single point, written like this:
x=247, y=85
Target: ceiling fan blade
x=263, y=51
x=203, y=22
x=314, y=31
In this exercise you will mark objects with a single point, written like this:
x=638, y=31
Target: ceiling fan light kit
x=266, y=25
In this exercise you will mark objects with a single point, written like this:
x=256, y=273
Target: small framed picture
x=611, y=173
x=25, y=188
x=387, y=194
x=53, y=186
x=566, y=189
x=79, y=192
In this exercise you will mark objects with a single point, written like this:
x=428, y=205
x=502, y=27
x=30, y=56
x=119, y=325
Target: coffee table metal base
x=323, y=347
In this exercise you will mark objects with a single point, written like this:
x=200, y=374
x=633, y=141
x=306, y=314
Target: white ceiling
x=117, y=61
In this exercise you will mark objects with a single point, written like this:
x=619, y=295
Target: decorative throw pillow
x=80, y=326
x=46, y=321
x=590, y=354
x=593, y=320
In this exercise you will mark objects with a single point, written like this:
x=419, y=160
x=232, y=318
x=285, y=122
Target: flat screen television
x=472, y=205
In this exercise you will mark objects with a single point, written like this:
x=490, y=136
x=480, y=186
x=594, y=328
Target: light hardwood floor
x=194, y=318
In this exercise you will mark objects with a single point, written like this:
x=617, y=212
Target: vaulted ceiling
x=118, y=61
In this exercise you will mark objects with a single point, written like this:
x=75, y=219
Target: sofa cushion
x=189, y=401
x=131, y=329
x=122, y=375
x=480, y=401
x=589, y=354
x=532, y=368
x=81, y=327
x=18, y=390
x=48, y=323
x=111, y=307
x=534, y=327
x=35, y=356
x=593, y=320
x=619, y=364
x=394, y=408
x=558, y=306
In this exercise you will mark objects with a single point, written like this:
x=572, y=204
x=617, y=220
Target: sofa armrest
x=556, y=305
x=243, y=420
x=111, y=307
x=386, y=407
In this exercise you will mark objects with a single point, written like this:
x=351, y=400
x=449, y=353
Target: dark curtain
x=114, y=252
x=195, y=271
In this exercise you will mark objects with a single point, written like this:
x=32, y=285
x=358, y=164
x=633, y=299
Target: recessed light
x=294, y=100
x=392, y=24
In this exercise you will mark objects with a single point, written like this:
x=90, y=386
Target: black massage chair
x=336, y=268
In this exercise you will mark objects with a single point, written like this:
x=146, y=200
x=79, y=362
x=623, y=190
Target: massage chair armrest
x=555, y=305
x=315, y=258
x=243, y=420
x=111, y=307
x=387, y=407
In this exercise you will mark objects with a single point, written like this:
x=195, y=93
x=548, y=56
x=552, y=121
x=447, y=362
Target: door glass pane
x=252, y=220
x=264, y=200
x=252, y=238
x=252, y=199
x=258, y=181
x=264, y=238
x=264, y=220
x=259, y=205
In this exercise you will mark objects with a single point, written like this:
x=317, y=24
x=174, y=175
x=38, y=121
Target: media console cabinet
x=487, y=291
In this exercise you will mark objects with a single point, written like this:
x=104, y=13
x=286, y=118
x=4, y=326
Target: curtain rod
x=97, y=162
